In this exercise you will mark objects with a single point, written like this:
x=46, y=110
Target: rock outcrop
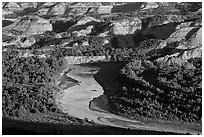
x=150, y=5
x=25, y=5
x=58, y=9
x=84, y=59
x=30, y=25
x=86, y=20
x=169, y=27
x=127, y=26
x=25, y=41
x=105, y=9
x=82, y=8
x=189, y=46
x=83, y=26
x=194, y=41
x=47, y=4
x=12, y=7
x=123, y=31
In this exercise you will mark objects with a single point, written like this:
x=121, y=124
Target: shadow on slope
x=131, y=6
x=17, y=127
x=107, y=75
x=62, y=26
x=6, y=23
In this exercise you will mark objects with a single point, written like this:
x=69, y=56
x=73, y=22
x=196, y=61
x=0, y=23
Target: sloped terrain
x=160, y=41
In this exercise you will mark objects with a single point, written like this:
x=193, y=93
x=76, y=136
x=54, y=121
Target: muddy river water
x=87, y=100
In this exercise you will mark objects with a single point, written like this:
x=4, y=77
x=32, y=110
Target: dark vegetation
x=95, y=47
x=29, y=95
x=34, y=128
x=154, y=20
x=27, y=83
x=186, y=7
x=29, y=92
x=171, y=92
x=11, y=16
x=7, y=38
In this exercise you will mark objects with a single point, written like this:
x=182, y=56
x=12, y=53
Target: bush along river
x=84, y=87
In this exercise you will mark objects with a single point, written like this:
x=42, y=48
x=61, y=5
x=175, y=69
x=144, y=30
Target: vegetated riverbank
x=159, y=98
x=29, y=92
x=107, y=76
x=28, y=96
x=35, y=113
x=61, y=123
x=87, y=101
x=109, y=81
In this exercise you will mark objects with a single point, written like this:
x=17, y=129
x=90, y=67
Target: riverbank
x=89, y=99
x=99, y=104
x=71, y=123
x=107, y=78
x=76, y=99
x=86, y=100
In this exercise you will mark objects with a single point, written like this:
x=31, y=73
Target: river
x=87, y=100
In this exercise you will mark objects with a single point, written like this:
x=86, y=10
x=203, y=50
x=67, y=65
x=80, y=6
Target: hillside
x=159, y=42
